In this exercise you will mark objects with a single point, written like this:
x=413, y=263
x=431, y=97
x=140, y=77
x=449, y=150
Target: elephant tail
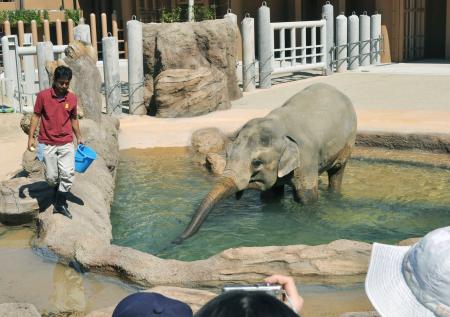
x=222, y=189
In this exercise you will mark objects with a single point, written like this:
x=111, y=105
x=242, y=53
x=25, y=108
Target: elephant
x=312, y=132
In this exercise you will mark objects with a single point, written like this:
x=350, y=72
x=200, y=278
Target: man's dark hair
x=245, y=304
x=62, y=72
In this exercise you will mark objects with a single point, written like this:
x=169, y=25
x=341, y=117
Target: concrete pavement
x=385, y=98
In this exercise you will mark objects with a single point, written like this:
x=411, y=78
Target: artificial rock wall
x=190, y=68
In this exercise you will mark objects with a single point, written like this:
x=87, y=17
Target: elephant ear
x=289, y=158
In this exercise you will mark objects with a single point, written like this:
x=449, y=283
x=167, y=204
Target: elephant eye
x=257, y=163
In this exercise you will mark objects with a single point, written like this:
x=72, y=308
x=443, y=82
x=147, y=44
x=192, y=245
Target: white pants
x=59, y=162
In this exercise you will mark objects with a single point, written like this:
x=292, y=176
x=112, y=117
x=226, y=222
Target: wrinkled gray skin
x=313, y=132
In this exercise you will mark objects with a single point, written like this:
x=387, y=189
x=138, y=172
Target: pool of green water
x=158, y=190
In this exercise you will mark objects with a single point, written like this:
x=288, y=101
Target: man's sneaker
x=60, y=206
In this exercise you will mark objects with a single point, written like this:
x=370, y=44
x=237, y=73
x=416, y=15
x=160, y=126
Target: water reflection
x=51, y=287
x=68, y=291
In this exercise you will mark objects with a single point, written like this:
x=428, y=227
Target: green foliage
x=46, y=15
x=169, y=16
x=75, y=15
x=202, y=12
x=13, y=16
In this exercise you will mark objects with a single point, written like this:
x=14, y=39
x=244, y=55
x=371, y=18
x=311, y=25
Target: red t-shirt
x=56, y=127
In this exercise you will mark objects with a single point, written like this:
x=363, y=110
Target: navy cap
x=151, y=305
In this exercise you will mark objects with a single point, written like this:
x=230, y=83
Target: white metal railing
x=292, y=54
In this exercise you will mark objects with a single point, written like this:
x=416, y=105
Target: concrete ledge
x=439, y=143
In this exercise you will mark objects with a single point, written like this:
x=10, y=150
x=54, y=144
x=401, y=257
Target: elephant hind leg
x=336, y=172
x=335, y=176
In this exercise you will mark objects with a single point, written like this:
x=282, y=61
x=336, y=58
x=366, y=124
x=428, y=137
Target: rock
x=208, y=140
x=187, y=92
x=21, y=199
x=216, y=163
x=439, y=143
x=339, y=261
x=361, y=314
x=86, y=79
x=198, y=58
x=209, y=149
x=18, y=310
x=32, y=165
x=105, y=312
x=25, y=124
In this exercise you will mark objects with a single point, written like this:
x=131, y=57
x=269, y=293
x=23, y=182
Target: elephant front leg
x=305, y=186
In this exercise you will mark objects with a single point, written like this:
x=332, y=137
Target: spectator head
x=245, y=304
x=151, y=305
x=411, y=281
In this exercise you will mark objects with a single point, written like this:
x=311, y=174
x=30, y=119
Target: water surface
x=158, y=190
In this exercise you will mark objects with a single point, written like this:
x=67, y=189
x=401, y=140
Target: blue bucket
x=84, y=156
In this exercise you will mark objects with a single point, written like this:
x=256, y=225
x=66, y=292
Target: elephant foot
x=306, y=196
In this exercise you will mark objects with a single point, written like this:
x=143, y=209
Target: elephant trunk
x=222, y=189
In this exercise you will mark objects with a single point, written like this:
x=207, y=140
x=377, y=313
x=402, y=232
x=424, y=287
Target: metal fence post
x=135, y=67
x=328, y=15
x=353, y=42
x=364, y=38
x=110, y=49
x=265, y=46
x=248, y=54
x=375, y=36
x=341, y=43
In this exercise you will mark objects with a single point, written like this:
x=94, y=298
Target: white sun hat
x=411, y=281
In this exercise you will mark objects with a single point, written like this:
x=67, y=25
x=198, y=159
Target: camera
x=271, y=289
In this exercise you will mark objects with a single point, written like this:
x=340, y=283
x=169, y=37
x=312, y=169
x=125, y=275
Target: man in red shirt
x=56, y=108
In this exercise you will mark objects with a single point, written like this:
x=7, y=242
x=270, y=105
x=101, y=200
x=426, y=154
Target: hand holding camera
x=280, y=286
x=291, y=297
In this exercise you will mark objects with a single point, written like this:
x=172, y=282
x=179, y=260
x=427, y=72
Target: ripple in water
x=158, y=190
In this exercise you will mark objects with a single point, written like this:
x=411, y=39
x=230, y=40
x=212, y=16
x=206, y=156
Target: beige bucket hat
x=411, y=281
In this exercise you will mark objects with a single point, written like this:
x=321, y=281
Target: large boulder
x=199, y=57
x=187, y=92
x=208, y=147
x=22, y=198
